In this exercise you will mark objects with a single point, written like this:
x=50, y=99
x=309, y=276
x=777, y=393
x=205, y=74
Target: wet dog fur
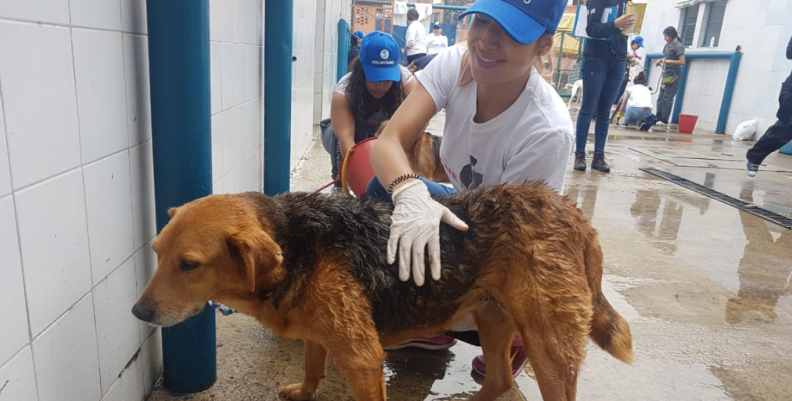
x=313, y=267
x=424, y=156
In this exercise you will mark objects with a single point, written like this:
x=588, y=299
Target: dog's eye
x=187, y=266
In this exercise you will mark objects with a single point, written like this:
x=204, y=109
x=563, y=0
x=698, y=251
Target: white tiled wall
x=763, y=29
x=77, y=182
x=303, y=78
x=237, y=52
x=76, y=200
x=329, y=12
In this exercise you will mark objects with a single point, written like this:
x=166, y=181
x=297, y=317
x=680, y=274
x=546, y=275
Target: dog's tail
x=608, y=329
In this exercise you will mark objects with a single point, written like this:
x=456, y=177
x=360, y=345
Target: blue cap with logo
x=523, y=20
x=379, y=55
x=639, y=41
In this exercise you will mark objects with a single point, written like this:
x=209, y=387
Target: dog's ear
x=172, y=211
x=257, y=249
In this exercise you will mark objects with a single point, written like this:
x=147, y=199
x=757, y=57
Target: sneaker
x=752, y=169
x=580, y=161
x=518, y=358
x=436, y=343
x=599, y=163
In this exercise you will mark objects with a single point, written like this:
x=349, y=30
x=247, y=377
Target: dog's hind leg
x=496, y=331
x=315, y=361
x=361, y=364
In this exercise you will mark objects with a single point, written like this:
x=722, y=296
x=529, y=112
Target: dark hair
x=634, y=43
x=640, y=79
x=362, y=104
x=412, y=15
x=671, y=32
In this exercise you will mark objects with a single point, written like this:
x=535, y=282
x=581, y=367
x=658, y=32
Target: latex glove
x=416, y=225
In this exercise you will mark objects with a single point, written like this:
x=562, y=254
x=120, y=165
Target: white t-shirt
x=415, y=38
x=530, y=141
x=640, y=97
x=341, y=86
x=436, y=43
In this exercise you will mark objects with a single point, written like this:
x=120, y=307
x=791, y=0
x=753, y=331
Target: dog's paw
x=297, y=392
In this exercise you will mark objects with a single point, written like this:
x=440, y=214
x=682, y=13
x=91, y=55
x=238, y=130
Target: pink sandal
x=518, y=358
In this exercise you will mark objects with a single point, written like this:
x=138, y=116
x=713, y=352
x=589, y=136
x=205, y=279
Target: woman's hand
x=625, y=21
x=416, y=224
x=661, y=61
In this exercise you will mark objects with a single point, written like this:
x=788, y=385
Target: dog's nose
x=143, y=313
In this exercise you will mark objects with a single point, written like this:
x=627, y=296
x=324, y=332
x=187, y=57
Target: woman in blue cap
x=366, y=96
x=604, y=67
x=354, y=46
x=504, y=124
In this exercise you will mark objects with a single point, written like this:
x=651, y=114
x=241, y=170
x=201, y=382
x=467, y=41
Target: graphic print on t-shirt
x=469, y=177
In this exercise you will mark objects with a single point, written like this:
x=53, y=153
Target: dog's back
x=506, y=221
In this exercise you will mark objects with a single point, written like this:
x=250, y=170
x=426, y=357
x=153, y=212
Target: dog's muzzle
x=143, y=313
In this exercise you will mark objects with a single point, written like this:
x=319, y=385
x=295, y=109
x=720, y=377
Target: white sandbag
x=745, y=131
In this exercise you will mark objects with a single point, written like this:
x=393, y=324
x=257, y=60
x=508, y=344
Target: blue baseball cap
x=639, y=40
x=379, y=54
x=359, y=34
x=523, y=20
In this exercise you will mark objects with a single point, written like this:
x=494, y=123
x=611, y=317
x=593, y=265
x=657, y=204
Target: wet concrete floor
x=704, y=286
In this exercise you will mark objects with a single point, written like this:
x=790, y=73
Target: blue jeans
x=634, y=115
x=602, y=80
x=375, y=191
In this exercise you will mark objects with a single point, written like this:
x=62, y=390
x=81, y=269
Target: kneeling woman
x=504, y=124
x=367, y=96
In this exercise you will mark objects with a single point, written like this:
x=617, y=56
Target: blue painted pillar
x=728, y=92
x=278, y=37
x=343, y=49
x=178, y=35
x=680, y=97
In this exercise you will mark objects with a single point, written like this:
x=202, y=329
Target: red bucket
x=356, y=171
x=687, y=123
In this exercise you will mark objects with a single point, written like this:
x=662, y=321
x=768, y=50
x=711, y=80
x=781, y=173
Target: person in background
x=436, y=41
x=672, y=62
x=637, y=103
x=354, y=48
x=780, y=133
x=415, y=38
x=604, y=68
x=366, y=97
x=504, y=124
x=637, y=51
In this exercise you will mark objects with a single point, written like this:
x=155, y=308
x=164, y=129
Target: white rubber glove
x=416, y=224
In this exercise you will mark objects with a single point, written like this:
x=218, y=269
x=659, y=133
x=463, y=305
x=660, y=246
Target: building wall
x=763, y=29
x=302, y=79
x=76, y=186
x=76, y=200
x=237, y=52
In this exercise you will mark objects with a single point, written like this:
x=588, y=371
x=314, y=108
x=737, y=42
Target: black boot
x=580, y=161
x=599, y=163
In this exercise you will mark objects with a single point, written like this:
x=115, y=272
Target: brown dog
x=424, y=156
x=313, y=267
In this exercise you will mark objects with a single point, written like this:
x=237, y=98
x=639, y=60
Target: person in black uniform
x=780, y=133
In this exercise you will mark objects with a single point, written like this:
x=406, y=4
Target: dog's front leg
x=315, y=360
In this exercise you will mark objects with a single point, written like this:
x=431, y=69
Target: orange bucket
x=356, y=171
x=687, y=123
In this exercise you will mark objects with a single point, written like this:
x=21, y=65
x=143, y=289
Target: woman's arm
x=595, y=28
x=389, y=157
x=343, y=122
x=410, y=86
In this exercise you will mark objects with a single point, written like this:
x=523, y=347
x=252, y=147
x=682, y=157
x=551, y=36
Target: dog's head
x=212, y=246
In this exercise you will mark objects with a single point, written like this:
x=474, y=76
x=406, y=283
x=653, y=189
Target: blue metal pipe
x=343, y=49
x=178, y=37
x=278, y=37
x=728, y=92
